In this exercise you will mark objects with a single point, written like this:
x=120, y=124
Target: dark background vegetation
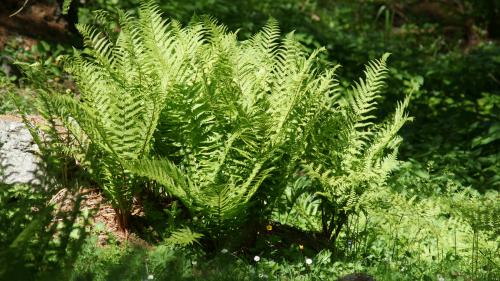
x=445, y=53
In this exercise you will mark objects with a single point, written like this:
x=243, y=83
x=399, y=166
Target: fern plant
x=348, y=153
x=214, y=121
x=234, y=109
x=113, y=119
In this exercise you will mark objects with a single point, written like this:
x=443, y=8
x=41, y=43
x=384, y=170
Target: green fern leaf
x=184, y=237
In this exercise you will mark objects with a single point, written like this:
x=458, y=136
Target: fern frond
x=170, y=176
x=363, y=97
x=184, y=237
x=385, y=137
x=266, y=41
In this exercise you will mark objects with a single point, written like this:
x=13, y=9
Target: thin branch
x=20, y=9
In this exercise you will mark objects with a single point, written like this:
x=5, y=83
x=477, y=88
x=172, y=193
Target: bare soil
x=92, y=200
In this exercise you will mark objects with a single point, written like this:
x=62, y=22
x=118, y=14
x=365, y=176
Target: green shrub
x=214, y=120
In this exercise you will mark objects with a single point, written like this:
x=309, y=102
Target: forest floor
x=36, y=20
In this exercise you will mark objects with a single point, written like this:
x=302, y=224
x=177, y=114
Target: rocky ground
x=18, y=152
x=20, y=164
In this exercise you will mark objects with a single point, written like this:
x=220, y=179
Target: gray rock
x=18, y=153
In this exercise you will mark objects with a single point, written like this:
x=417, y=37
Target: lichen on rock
x=19, y=162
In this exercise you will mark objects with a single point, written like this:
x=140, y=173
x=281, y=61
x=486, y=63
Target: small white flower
x=256, y=258
x=194, y=262
x=440, y=278
x=224, y=251
x=150, y=277
x=309, y=261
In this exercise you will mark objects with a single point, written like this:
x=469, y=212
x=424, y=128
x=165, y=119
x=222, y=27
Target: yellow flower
x=269, y=227
x=301, y=247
